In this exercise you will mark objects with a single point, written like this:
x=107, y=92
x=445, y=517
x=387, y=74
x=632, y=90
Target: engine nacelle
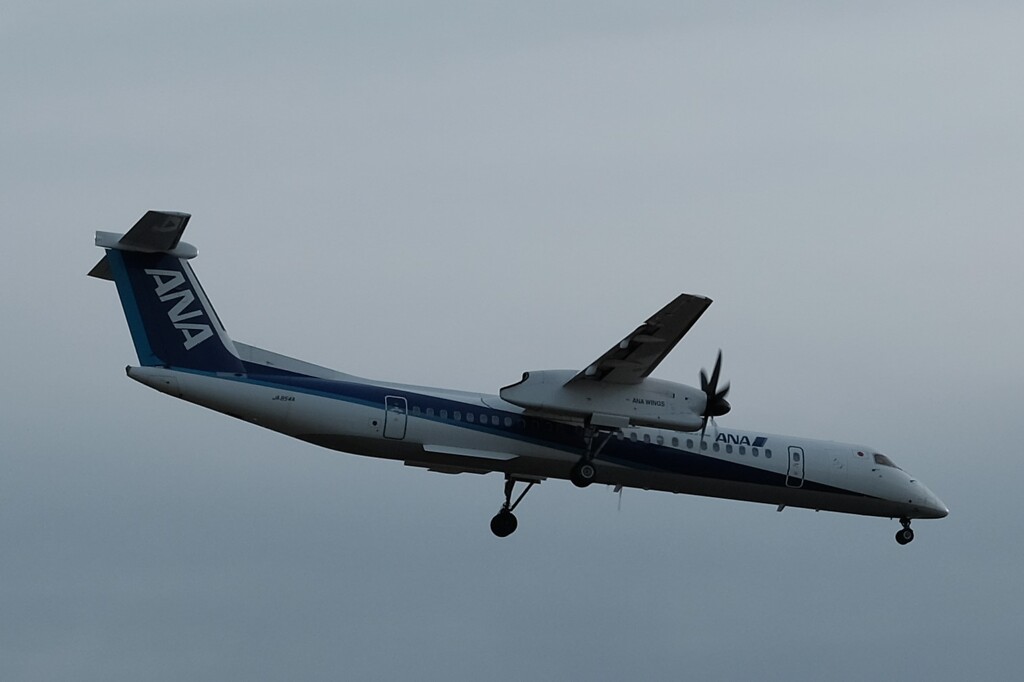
x=652, y=402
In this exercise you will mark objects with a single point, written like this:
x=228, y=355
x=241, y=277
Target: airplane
x=609, y=423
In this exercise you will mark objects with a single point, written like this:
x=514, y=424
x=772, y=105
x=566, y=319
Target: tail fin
x=170, y=318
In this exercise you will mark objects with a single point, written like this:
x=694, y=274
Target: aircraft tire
x=583, y=474
x=504, y=523
x=904, y=536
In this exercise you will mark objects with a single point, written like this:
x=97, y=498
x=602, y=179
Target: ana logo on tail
x=170, y=285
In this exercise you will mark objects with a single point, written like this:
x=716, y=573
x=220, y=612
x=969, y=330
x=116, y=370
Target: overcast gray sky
x=451, y=193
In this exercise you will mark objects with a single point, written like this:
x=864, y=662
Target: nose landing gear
x=504, y=522
x=905, y=534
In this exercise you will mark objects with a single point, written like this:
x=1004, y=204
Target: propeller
x=716, y=404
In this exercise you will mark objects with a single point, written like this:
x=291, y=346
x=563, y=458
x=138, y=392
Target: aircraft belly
x=827, y=500
x=363, y=445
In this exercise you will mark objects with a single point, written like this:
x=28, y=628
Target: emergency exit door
x=795, y=473
x=396, y=414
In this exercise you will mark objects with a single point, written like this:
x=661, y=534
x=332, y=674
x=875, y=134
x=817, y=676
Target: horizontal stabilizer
x=102, y=270
x=156, y=231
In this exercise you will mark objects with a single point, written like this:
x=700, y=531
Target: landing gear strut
x=904, y=535
x=504, y=522
x=584, y=471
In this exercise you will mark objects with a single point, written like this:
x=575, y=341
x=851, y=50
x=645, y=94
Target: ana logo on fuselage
x=170, y=285
x=733, y=439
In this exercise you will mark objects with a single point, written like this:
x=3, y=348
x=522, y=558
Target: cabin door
x=395, y=416
x=795, y=473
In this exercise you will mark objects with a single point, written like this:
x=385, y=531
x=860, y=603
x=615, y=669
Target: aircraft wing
x=636, y=356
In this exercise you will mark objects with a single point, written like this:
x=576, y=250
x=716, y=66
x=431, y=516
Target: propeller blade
x=715, y=372
x=715, y=404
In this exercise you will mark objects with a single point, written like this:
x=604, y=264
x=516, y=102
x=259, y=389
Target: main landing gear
x=904, y=535
x=584, y=471
x=504, y=522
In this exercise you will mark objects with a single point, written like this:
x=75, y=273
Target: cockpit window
x=885, y=461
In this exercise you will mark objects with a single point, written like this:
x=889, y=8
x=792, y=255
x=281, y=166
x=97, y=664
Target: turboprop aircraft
x=608, y=423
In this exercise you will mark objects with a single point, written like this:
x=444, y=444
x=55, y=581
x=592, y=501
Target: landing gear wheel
x=904, y=535
x=504, y=523
x=583, y=474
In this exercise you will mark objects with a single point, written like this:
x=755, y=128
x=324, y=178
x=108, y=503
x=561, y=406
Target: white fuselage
x=454, y=432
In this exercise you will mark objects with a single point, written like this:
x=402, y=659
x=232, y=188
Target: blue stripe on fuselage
x=523, y=428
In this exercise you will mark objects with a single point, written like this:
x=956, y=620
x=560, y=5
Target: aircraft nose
x=936, y=508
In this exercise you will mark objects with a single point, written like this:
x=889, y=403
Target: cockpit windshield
x=885, y=461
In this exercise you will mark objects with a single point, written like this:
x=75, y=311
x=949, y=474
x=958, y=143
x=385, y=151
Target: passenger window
x=443, y=414
x=716, y=447
x=796, y=456
x=430, y=411
x=632, y=436
x=495, y=420
x=416, y=409
x=469, y=417
x=457, y=416
x=743, y=450
x=647, y=438
x=728, y=449
x=675, y=442
x=660, y=440
x=689, y=442
x=703, y=445
x=767, y=454
x=508, y=421
x=753, y=451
